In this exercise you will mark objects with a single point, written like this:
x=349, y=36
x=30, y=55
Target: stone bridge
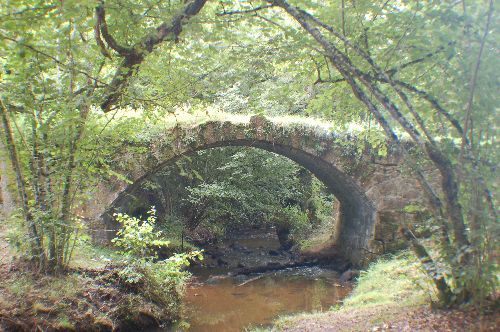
x=372, y=190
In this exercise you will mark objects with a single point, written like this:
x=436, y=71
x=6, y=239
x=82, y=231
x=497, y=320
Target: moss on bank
x=83, y=300
x=394, y=281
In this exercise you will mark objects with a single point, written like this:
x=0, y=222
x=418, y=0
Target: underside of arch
x=357, y=213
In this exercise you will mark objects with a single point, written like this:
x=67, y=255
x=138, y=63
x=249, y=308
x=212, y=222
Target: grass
x=90, y=256
x=40, y=307
x=394, y=281
x=20, y=286
x=64, y=323
x=165, y=121
x=63, y=287
x=44, y=289
x=192, y=117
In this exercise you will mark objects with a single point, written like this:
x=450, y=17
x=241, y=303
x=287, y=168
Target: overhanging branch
x=135, y=56
x=102, y=26
x=245, y=11
x=421, y=93
x=393, y=71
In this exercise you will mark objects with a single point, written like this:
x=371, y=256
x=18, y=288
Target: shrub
x=159, y=280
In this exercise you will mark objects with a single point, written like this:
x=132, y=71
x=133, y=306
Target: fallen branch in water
x=250, y=280
x=272, y=267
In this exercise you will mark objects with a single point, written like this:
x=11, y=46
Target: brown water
x=233, y=304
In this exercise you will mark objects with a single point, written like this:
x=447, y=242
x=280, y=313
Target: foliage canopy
x=425, y=70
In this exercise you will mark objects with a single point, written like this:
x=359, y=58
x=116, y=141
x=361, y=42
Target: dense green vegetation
x=216, y=191
x=81, y=82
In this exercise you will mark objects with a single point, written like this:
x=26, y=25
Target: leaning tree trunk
x=420, y=135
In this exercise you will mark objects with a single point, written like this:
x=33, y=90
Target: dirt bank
x=396, y=318
x=83, y=300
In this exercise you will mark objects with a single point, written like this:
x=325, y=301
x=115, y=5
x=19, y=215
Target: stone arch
x=334, y=159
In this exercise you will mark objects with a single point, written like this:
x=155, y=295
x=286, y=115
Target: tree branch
x=421, y=93
x=136, y=56
x=97, y=35
x=393, y=71
x=52, y=58
x=29, y=9
x=388, y=104
x=433, y=101
x=351, y=72
x=246, y=11
x=102, y=25
x=474, y=77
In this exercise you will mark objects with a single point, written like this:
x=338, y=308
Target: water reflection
x=233, y=304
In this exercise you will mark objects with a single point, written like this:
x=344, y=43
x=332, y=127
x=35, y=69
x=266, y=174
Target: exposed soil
x=86, y=300
x=398, y=319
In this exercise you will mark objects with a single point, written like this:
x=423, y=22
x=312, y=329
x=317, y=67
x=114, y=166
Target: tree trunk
x=351, y=72
x=444, y=292
x=65, y=233
x=35, y=240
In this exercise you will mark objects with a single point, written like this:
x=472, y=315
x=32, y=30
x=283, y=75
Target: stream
x=221, y=300
x=233, y=305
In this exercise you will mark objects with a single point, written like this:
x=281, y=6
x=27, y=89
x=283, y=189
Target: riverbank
x=84, y=300
x=393, y=295
x=90, y=296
